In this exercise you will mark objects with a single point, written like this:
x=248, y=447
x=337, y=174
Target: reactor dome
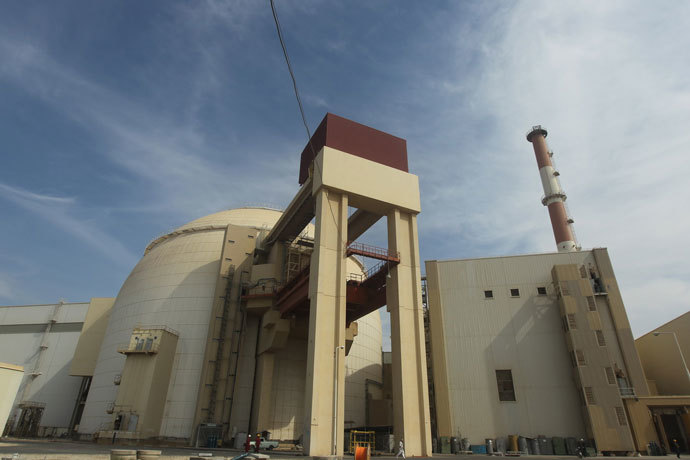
x=173, y=287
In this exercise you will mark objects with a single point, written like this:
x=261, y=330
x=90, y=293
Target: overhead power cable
x=292, y=75
x=299, y=100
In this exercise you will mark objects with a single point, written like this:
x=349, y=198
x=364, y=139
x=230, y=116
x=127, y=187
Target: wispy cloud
x=172, y=157
x=56, y=210
x=36, y=197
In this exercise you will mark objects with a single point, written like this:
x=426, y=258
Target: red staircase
x=365, y=293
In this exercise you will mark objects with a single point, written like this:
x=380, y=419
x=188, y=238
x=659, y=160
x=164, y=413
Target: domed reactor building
x=252, y=320
x=193, y=329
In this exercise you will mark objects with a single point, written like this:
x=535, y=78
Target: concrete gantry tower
x=554, y=196
x=347, y=164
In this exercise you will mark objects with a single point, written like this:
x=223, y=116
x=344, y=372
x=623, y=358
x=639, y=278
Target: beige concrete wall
x=10, y=379
x=439, y=356
x=662, y=357
x=369, y=185
x=663, y=363
x=626, y=343
x=602, y=401
x=641, y=424
x=234, y=268
x=472, y=337
x=91, y=337
x=481, y=335
x=145, y=381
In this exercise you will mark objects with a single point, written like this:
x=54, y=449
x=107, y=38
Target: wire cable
x=299, y=100
x=292, y=75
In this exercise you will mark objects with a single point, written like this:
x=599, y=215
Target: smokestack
x=554, y=196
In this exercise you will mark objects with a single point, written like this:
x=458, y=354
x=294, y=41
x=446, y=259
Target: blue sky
x=122, y=120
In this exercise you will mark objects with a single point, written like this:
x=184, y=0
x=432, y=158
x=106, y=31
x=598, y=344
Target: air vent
x=620, y=414
x=600, y=338
x=581, y=361
x=572, y=323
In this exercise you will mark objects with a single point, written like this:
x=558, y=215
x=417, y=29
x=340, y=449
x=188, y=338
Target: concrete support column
x=404, y=296
x=261, y=409
x=324, y=410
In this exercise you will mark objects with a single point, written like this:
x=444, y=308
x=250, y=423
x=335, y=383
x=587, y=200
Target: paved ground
x=67, y=450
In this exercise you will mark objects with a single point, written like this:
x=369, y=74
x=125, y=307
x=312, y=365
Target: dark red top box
x=356, y=139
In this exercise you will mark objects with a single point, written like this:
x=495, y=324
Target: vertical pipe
x=554, y=196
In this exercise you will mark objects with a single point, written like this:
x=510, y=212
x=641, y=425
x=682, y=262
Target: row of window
x=514, y=292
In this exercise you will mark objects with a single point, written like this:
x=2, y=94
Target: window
x=600, y=338
x=589, y=396
x=620, y=415
x=541, y=290
x=591, y=304
x=504, y=379
x=572, y=323
x=583, y=272
x=564, y=289
x=581, y=361
x=610, y=376
x=514, y=292
x=488, y=294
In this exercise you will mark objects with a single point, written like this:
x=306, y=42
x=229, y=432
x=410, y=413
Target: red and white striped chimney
x=554, y=196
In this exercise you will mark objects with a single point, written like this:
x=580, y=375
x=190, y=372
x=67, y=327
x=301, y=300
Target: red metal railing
x=374, y=252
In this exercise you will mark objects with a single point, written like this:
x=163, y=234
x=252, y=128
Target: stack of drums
x=127, y=454
x=123, y=454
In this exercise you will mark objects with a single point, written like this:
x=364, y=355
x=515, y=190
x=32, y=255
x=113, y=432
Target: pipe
x=335, y=400
x=554, y=196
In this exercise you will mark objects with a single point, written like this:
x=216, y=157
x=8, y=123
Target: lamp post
x=335, y=400
x=675, y=337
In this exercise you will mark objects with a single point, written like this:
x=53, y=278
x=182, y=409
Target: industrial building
x=80, y=363
x=664, y=353
x=42, y=339
x=540, y=346
x=254, y=319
